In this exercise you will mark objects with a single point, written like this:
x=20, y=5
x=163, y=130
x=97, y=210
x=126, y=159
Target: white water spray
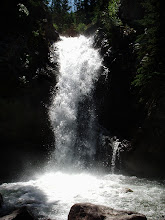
x=115, y=154
x=72, y=112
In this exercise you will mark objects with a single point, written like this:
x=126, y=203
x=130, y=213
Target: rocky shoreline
x=79, y=211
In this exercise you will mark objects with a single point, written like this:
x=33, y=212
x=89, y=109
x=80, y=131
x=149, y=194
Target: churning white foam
x=52, y=194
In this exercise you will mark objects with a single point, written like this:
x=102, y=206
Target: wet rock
x=88, y=211
x=19, y=214
x=1, y=200
x=127, y=190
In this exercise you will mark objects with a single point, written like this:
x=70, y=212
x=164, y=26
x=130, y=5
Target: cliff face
x=117, y=108
x=148, y=153
x=130, y=11
x=27, y=78
x=25, y=134
x=120, y=111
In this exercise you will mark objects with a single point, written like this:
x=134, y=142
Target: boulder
x=127, y=190
x=19, y=214
x=88, y=211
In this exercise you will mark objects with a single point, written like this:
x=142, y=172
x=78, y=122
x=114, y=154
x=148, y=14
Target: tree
x=148, y=44
x=25, y=40
x=149, y=82
x=62, y=17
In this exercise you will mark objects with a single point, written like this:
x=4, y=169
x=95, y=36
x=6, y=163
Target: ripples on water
x=52, y=194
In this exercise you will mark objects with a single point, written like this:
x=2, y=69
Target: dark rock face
x=130, y=10
x=117, y=111
x=147, y=155
x=25, y=131
x=147, y=136
x=19, y=214
x=87, y=211
x=118, y=107
x=1, y=200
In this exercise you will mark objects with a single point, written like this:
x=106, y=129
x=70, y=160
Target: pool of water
x=52, y=194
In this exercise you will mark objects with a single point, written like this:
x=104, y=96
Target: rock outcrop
x=119, y=110
x=87, y=211
x=27, y=77
x=19, y=214
x=1, y=200
x=25, y=132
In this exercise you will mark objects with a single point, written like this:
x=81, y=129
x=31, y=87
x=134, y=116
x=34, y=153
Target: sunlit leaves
x=81, y=27
x=23, y=10
x=113, y=8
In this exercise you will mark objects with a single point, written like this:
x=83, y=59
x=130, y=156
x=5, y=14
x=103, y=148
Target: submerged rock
x=88, y=211
x=126, y=190
x=19, y=214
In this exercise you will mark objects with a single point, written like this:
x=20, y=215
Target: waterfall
x=115, y=153
x=72, y=112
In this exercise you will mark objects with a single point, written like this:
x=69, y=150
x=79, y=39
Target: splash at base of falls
x=115, y=153
x=51, y=195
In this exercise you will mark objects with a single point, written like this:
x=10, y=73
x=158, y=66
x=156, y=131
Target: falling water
x=72, y=112
x=115, y=154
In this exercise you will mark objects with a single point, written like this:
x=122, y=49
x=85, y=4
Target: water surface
x=51, y=195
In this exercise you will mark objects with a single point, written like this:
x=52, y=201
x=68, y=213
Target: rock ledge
x=88, y=211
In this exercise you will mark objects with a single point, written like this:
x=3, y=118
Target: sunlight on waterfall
x=72, y=112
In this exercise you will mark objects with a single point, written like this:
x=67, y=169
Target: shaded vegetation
x=26, y=34
x=150, y=65
x=26, y=79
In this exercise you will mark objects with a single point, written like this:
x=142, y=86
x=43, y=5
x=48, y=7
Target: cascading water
x=72, y=112
x=51, y=194
x=115, y=153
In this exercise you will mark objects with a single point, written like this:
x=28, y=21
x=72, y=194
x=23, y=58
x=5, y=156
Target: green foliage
x=81, y=27
x=36, y=33
x=113, y=9
x=55, y=26
x=148, y=49
x=25, y=38
x=150, y=59
x=23, y=9
x=103, y=12
x=62, y=18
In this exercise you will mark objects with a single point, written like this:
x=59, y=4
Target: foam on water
x=52, y=194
